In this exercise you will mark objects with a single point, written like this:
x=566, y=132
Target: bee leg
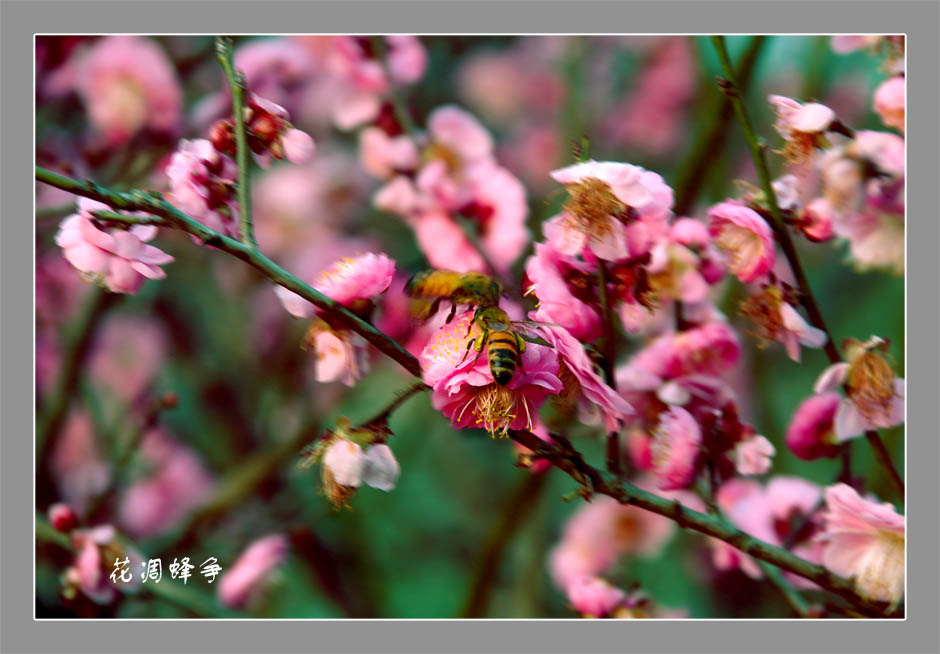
x=520, y=345
x=450, y=316
x=470, y=344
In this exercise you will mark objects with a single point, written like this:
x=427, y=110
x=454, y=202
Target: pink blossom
x=601, y=531
x=349, y=281
x=127, y=84
x=383, y=155
x=615, y=210
x=499, y=209
x=341, y=355
x=864, y=540
x=277, y=68
x=557, y=303
x=801, y=126
x=202, y=185
x=676, y=449
x=179, y=482
x=594, y=597
x=456, y=134
x=871, y=403
x=795, y=331
x=638, y=445
x=77, y=463
x=811, y=434
x=817, y=221
x=241, y=583
x=464, y=389
x=752, y=456
x=128, y=353
x=298, y=146
x=594, y=396
x=119, y=259
x=845, y=43
x=444, y=243
x=745, y=239
x=97, y=550
x=889, y=102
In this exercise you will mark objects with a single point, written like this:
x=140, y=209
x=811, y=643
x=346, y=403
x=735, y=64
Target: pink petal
x=144, y=232
x=294, y=304
x=126, y=245
x=849, y=421
x=814, y=117
x=88, y=258
x=148, y=271
x=831, y=378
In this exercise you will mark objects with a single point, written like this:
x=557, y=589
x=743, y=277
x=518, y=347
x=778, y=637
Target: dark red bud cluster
x=222, y=136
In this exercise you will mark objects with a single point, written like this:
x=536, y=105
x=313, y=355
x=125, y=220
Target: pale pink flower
x=459, y=137
x=744, y=238
x=128, y=84
x=676, y=449
x=202, y=184
x=864, y=540
x=596, y=400
x=796, y=331
x=127, y=355
x=594, y=597
x=242, y=583
x=179, y=482
x=845, y=43
x=352, y=466
x=615, y=210
x=875, y=398
x=444, y=243
x=493, y=82
x=811, y=433
x=119, y=259
x=889, y=102
x=97, y=550
x=465, y=391
x=77, y=463
x=499, y=208
x=752, y=456
x=801, y=126
x=383, y=155
x=341, y=355
x=817, y=221
x=349, y=281
x=557, y=302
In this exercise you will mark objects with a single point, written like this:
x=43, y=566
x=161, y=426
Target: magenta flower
x=119, y=259
x=128, y=84
x=864, y=540
x=615, y=210
x=744, y=238
x=801, y=126
x=889, y=102
x=558, y=304
x=811, y=434
x=676, y=449
x=596, y=400
x=241, y=584
x=464, y=389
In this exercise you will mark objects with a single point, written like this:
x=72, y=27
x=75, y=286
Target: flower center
x=590, y=206
x=870, y=384
x=764, y=311
x=739, y=246
x=495, y=409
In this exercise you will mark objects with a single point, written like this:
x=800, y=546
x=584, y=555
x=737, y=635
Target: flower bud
x=222, y=136
x=62, y=517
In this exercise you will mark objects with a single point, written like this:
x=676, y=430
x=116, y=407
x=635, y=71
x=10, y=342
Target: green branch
x=154, y=203
x=730, y=87
x=237, y=86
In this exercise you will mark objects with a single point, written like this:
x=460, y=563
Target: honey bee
x=504, y=338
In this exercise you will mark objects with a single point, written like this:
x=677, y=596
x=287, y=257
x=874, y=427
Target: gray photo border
x=918, y=19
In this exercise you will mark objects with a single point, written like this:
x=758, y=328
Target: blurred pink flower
x=202, y=184
x=811, y=433
x=614, y=210
x=128, y=353
x=97, y=550
x=557, y=303
x=241, y=584
x=889, y=102
x=464, y=389
x=79, y=469
x=752, y=456
x=676, y=449
x=341, y=355
x=276, y=68
x=864, y=540
x=601, y=531
x=127, y=84
x=179, y=483
x=383, y=155
x=744, y=238
x=816, y=222
x=444, y=243
x=845, y=43
x=594, y=597
x=116, y=258
x=801, y=126
x=596, y=400
x=458, y=137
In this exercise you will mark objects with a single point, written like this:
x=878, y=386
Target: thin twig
x=730, y=87
x=153, y=203
x=400, y=399
x=608, y=360
x=237, y=86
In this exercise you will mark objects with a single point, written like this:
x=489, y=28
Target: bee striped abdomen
x=503, y=356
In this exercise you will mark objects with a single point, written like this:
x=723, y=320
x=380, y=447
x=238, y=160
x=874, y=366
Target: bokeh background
x=218, y=471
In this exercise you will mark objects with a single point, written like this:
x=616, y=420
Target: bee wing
x=530, y=331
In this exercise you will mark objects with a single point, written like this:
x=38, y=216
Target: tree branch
x=237, y=86
x=153, y=203
x=730, y=87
